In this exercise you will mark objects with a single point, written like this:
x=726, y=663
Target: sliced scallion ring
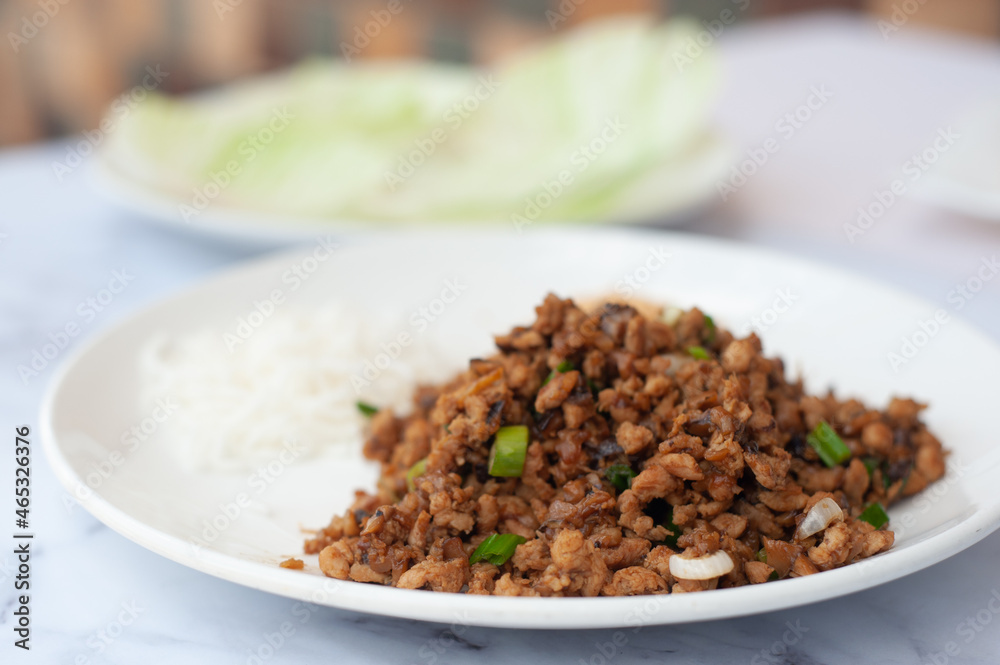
x=698, y=352
x=415, y=472
x=367, y=409
x=561, y=368
x=510, y=447
x=828, y=445
x=497, y=548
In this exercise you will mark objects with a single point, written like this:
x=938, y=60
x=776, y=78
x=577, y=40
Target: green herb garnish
x=875, y=515
x=710, y=326
x=367, y=409
x=698, y=352
x=415, y=472
x=510, y=447
x=620, y=475
x=497, y=548
x=561, y=368
x=828, y=445
x=871, y=463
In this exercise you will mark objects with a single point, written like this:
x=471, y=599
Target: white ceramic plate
x=838, y=330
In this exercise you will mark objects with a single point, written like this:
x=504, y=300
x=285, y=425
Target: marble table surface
x=99, y=598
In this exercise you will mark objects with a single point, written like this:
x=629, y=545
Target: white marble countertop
x=59, y=243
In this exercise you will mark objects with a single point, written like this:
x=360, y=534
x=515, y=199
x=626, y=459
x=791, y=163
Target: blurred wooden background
x=63, y=61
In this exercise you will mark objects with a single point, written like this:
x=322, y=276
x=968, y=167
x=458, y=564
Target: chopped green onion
x=888, y=482
x=620, y=475
x=509, y=450
x=561, y=368
x=662, y=514
x=828, y=445
x=415, y=472
x=367, y=409
x=698, y=352
x=773, y=577
x=497, y=548
x=871, y=463
x=875, y=515
x=710, y=325
x=762, y=555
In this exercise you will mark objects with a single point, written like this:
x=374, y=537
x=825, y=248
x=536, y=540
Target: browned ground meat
x=718, y=448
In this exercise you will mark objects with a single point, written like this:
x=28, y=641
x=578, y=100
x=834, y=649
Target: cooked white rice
x=290, y=380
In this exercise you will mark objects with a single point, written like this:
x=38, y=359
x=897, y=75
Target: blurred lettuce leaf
x=598, y=122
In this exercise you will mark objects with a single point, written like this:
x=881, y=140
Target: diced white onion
x=671, y=315
x=824, y=513
x=677, y=361
x=706, y=567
